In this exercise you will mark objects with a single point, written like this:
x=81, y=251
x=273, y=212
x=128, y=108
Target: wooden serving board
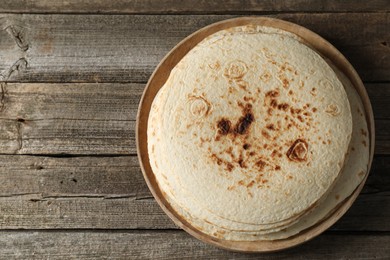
x=160, y=76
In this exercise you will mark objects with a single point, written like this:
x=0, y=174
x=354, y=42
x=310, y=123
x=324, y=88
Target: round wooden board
x=160, y=76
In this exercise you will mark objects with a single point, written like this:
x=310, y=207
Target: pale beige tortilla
x=354, y=171
x=274, y=171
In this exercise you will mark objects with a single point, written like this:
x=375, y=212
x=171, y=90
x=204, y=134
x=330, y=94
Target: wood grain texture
x=108, y=177
x=118, y=48
x=39, y=192
x=177, y=245
x=98, y=118
x=187, y=6
x=106, y=193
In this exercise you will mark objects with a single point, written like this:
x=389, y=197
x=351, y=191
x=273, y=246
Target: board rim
x=160, y=75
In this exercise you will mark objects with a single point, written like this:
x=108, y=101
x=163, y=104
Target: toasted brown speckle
x=298, y=150
x=246, y=146
x=265, y=134
x=271, y=127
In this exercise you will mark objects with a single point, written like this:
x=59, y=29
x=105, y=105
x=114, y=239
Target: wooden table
x=71, y=79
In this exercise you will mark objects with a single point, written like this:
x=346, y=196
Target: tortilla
x=247, y=131
x=354, y=171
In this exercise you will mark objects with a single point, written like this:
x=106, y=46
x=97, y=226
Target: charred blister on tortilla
x=224, y=125
x=298, y=151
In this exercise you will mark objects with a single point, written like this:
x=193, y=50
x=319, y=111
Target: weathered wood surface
x=39, y=192
x=188, y=6
x=120, y=48
x=71, y=186
x=177, y=245
x=97, y=118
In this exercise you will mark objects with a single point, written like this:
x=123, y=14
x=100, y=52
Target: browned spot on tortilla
x=290, y=177
x=300, y=118
x=352, y=148
x=265, y=77
x=241, y=182
x=215, y=65
x=264, y=181
x=269, y=111
x=337, y=197
x=298, y=151
x=286, y=83
x=283, y=106
x=252, y=153
x=250, y=184
x=216, y=159
x=295, y=111
x=246, y=146
x=261, y=164
x=229, y=167
x=246, y=99
x=314, y=109
x=241, y=163
x=265, y=134
x=259, y=177
x=224, y=126
x=364, y=143
x=242, y=84
x=277, y=167
x=290, y=92
x=272, y=93
x=245, y=121
x=271, y=127
x=361, y=173
x=273, y=103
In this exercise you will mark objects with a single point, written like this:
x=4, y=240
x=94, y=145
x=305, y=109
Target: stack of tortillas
x=256, y=136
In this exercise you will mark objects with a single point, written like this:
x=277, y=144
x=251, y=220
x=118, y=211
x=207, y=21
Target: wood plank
x=177, y=245
x=188, y=7
x=98, y=118
x=369, y=213
x=94, y=137
x=379, y=95
x=109, y=192
x=118, y=48
x=116, y=101
x=107, y=177
x=100, y=177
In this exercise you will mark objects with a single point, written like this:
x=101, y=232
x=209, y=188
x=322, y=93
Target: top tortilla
x=251, y=125
x=354, y=171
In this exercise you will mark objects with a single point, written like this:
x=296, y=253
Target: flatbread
x=354, y=171
x=249, y=131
